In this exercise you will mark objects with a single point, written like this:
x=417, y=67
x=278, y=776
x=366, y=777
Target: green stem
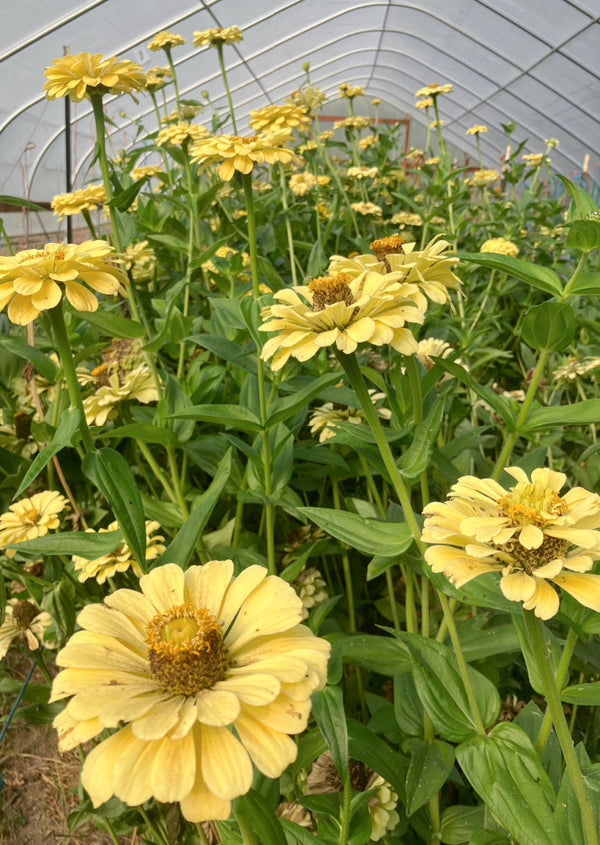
x=561, y=674
x=174, y=76
x=103, y=162
x=539, y=646
x=569, y=286
x=37, y=654
x=89, y=224
x=190, y=251
x=57, y=319
x=337, y=504
x=266, y=452
x=288, y=226
x=227, y=91
x=160, y=839
x=530, y=396
x=346, y=811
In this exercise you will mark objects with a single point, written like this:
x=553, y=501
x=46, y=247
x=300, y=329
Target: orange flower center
x=532, y=503
x=327, y=290
x=186, y=649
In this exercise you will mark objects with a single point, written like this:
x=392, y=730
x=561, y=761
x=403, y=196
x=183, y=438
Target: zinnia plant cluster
x=300, y=512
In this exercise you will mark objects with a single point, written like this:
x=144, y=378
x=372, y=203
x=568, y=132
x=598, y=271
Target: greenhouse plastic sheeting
x=534, y=62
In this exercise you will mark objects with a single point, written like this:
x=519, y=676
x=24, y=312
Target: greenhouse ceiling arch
x=536, y=64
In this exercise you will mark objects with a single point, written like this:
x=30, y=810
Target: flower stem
x=57, y=320
x=37, y=654
x=288, y=226
x=266, y=453
x=227, y=91
x=345, y=561
x=561, y=674
x=537, y=640
x=346, y=811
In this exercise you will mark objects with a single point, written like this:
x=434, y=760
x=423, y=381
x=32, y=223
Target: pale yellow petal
x=80, y=297
x=173, y=769
x=517, y=586
x=544, y=602
x=273, y=606
x=205, y=586
x=226, y=766
x=164, y=586
x=200, y=804
x=133, y=604
x=217, y=706
x=531, y=537
x=271, y=751
x=159, y=719
x=251, y=688
x=72, y=732
x=584, y=588
x=108, y=620
x=283, y=714
x=243, y=585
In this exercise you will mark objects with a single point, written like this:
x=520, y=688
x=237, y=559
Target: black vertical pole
x=68, y=157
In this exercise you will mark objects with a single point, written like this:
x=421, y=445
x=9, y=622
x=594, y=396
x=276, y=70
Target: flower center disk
x=185, y=649
x=327, y=290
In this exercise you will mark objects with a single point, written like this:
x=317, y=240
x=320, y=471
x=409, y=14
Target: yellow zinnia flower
x=181, y=133
x=350, y=91
x=217, y=36
x=29, y=518
x=366, y=208
x=164, y=40
x=115, y=387
x=24, y=620
x=194, y=657
x=428, y=272
x=363, y=172
x=338, y=310
x=32, y=281
x=301, y=183
x=140, y=261
x=476, y=130
x=434, y=89
x=84, y=199
x=235, y=153
x=279, y=117
x=309, y=98
x=534, y=159
x=87, y=74
x=355, y=122
x=500, y=245
x=424, y=103
x=121, y=559
x=483, y=178
x=529, y=533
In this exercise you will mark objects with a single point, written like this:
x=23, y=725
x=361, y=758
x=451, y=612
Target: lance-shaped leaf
x=370, y=536
x=539, y=277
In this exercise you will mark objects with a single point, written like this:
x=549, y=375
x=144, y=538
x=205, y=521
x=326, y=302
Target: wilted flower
x=335, y=309
x=529, y=533
x=434, y=90
x=32, y=281
x=476, y=130
x=181, y=133
x=235, y=153
x=180, y=666
x=106, y=566
x=218, y=36
x=165, y=40
x=85, y=75
x=84, y=199
x=324, y=779
x=311, y=588
x=23, y=620
x=279, y=117
x=431, y=346
x=29, y=518
x=500, y=245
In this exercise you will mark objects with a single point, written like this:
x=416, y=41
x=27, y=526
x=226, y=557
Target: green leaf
x=330, y=716
x=316, y=259
x=366, y=746
x=498, y=403
x=298, y=835
x=370, y=536
x=21, y=203
x=377, y=654
x=124, y=198
x=113, y=325
x=66, y=434
x=506, y=772
x=430, y=764
x=256, y=814
x=20, y=347
x=586, y=284
x=587, y=694
x=459, y=823
x=568, y=814
x=579, y=413
x=416, y=458
x=60, y=604
x=550, y=325
x=89, y=546
x=539, y=277
x=108, y=470
x=582, y=203
x=141, y=431
x=552, y=643
x=478, y=643
x=442, y=692
x=181, y=548
x=583, y=234
x=283, y=409
x=233, y=416
x=227, y=350
x=408, y=709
